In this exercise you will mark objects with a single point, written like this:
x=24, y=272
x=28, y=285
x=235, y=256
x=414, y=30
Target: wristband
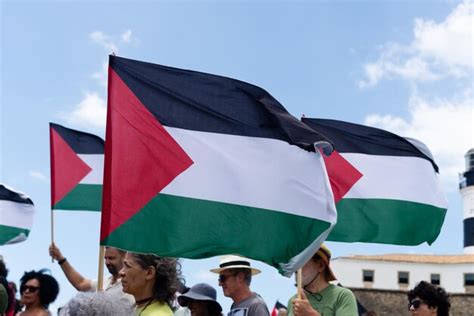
x=60, y=262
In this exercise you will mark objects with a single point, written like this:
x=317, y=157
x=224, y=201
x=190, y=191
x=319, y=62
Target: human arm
x=75, y=278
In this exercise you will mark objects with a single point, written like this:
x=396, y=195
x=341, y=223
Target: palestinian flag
x=77, y=160
x=16, y=216
x=277, y=307
x=198, y=165
x=398, y=199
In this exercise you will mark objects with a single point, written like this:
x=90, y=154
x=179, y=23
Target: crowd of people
x=150, y=285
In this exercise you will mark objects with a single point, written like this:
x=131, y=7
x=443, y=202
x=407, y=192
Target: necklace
x=143, y=301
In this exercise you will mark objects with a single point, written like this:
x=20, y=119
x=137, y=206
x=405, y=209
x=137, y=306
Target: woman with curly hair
x=152, y=280
x=37, y=290
x=428, y=299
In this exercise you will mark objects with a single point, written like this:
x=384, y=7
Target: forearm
x=75, y=278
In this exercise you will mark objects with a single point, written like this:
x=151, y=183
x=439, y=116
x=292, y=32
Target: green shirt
x=332, y=301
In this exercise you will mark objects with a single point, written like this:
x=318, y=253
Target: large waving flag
x=77, y=160
x=398, y=198
x=198, y=165
x=16, y=216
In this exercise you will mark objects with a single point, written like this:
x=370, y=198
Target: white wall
x=349, y=273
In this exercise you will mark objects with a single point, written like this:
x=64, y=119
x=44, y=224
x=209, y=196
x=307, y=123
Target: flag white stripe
x=16, y=214
x=96, y=162
x=396, y=178
x=256, y=172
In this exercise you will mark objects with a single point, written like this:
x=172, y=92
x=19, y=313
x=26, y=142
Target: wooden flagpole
x=52, y=231
x=299, y=282
x=100, y=278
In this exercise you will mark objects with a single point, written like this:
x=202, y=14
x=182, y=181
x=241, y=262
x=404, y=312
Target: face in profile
x=134, y=277
x=30, y=292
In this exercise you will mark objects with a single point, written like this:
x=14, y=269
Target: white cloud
x=102, y=75
x=438, y=51
x=446, y=126
x=127, y=36
x=37, y=175
x=104, y=40
x=90, y=112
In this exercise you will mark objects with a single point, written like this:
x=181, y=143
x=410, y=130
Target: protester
x=9, y=289
x=37, y=290
x=152, y=280
x=428, y=299
x=201, y=300
x=320, y=297
x=235, y=276
x=96, y=304
x=113, y=261
x=3, y=299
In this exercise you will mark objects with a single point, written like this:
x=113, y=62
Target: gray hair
x=96, y=304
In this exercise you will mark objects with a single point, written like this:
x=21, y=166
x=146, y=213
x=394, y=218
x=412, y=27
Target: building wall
x=349, y=273
x=390, y=303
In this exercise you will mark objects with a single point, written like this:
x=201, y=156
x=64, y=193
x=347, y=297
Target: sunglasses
x=223, y=277
x=415, y=304
x=30, y=288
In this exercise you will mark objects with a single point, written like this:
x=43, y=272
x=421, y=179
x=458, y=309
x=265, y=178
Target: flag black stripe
x=80, y=142
x=9, y=195
x=354, y=138
x=204, y=102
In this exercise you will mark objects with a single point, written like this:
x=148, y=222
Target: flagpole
x=52, y=231
x=100, y=277
x=299, y=282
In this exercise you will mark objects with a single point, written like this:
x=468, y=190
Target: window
x=435, y=279
x=468, y=279
x=368, y=275
x=403, y=277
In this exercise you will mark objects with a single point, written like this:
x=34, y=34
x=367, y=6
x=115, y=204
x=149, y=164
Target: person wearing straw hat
x=235, y=276
x=319, y=297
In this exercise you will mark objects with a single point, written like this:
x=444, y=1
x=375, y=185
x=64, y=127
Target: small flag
x=277, y=307
x=77, y=160
x=16, y=216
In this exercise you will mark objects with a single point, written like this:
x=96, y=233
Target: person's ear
x=150, y=273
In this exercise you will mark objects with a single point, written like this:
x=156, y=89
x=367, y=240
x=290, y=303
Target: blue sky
x=405, y=66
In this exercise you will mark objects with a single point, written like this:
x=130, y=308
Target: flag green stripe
x=387, y=221
x=7, y=233
x=84, y=197
x=213, y=228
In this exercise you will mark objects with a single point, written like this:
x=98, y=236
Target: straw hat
x=234, y=262
x=325, y=254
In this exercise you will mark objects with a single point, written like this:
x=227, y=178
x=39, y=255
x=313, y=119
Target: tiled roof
x=441, y=259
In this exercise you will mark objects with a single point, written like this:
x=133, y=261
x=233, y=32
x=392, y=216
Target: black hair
x=3, y=269
x=432, y=295
x=49, y=287
x=168, y=275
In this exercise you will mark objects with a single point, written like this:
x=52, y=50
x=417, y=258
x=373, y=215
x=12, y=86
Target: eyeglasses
x=223, y=277
x=416, y=303
x=30, y=288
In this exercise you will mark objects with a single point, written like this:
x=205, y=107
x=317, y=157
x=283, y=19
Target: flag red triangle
x=141, y=157
x=342, y=174
x=67, y=169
